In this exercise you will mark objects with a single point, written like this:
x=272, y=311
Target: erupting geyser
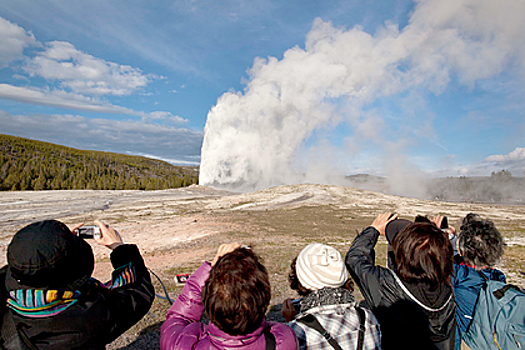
x=259, y=137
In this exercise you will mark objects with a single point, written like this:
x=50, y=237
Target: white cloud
x=82, y=73
x=517, y=155
x=513, y=162
x=83, y=79
x=61, y=99
x=167, y=116
x=170, y=160
x=20, y=77
x=13, y=40
x=135, y=137
x=68, y=100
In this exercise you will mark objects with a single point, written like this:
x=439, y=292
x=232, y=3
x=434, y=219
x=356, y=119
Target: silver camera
x=88, y=232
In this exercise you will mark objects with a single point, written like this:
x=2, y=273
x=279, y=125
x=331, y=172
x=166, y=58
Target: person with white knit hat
x=327, y=313
x=320, y=266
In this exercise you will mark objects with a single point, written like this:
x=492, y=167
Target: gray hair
x=480, y=242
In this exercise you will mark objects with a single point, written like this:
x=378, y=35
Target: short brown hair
x=423, y=253
x=237, y=293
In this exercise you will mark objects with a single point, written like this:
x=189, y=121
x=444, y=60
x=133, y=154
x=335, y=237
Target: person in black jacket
x=52, y=301
x=414, y=304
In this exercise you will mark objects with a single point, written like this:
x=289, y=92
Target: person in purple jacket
x=234, y=290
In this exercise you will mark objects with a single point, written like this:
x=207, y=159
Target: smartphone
x=88, y=232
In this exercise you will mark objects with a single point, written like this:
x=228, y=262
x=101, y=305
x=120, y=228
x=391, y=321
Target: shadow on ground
x=148, y=338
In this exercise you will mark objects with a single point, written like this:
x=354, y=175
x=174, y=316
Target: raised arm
x=360, y=260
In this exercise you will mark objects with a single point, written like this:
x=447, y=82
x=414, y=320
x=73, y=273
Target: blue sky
x=435, y=86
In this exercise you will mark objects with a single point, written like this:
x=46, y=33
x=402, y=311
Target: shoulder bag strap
x=362, y=321
x=270, y=338
x=25, y=339
x=11, y=330
x=312, y=322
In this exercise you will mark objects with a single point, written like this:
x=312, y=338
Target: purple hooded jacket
x=183, y=329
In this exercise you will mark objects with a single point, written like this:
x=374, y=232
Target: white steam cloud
x=255, y=139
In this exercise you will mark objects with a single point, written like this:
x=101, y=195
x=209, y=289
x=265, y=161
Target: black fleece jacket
x=98, y=317
x=405, y=323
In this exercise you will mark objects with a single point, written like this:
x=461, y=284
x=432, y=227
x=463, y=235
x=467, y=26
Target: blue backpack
x=499, y=318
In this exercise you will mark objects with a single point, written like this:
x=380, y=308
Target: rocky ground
x=177, y=230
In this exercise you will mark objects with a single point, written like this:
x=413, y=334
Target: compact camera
x=88, y=232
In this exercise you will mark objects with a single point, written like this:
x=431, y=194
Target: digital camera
x=88, y=232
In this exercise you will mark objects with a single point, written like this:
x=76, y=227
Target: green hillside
x=34, y=165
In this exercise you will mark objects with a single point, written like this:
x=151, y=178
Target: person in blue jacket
x=480, y=248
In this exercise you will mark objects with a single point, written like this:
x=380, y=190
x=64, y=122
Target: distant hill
x=34, y=165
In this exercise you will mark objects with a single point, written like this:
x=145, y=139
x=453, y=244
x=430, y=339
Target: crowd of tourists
x=434, y=293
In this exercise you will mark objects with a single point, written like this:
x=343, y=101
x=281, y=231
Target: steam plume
x=259, y=137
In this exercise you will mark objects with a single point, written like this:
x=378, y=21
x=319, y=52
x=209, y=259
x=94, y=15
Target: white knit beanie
x=319, y=266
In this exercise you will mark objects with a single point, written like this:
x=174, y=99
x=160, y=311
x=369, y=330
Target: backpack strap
x=485, y=278
x=312, y=322
x=270, y=338
x=500, y=293
x=362, y=321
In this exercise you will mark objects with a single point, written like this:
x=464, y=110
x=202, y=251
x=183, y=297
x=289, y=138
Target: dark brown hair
x=237, y=293
x=296, y=285
x=423, y=253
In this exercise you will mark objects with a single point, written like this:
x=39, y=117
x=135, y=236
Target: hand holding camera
x=382, y=220
x=100, y=232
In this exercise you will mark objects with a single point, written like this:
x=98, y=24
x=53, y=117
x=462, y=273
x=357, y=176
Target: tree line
x=27, y=165
x=500, y=187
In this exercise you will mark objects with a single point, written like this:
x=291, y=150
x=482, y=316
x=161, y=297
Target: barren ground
x=177, y=230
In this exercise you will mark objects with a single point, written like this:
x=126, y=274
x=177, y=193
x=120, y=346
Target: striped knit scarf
x=326, y=296
x=38, y=303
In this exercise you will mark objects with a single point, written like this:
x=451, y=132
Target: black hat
x=47, y=255
x=393, y=228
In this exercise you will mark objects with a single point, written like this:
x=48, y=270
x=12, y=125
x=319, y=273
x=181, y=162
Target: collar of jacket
x=326, y=296
x=37, y=303
x=220, y=338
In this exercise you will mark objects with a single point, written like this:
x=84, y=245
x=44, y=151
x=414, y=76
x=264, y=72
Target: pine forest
x=27, y=165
